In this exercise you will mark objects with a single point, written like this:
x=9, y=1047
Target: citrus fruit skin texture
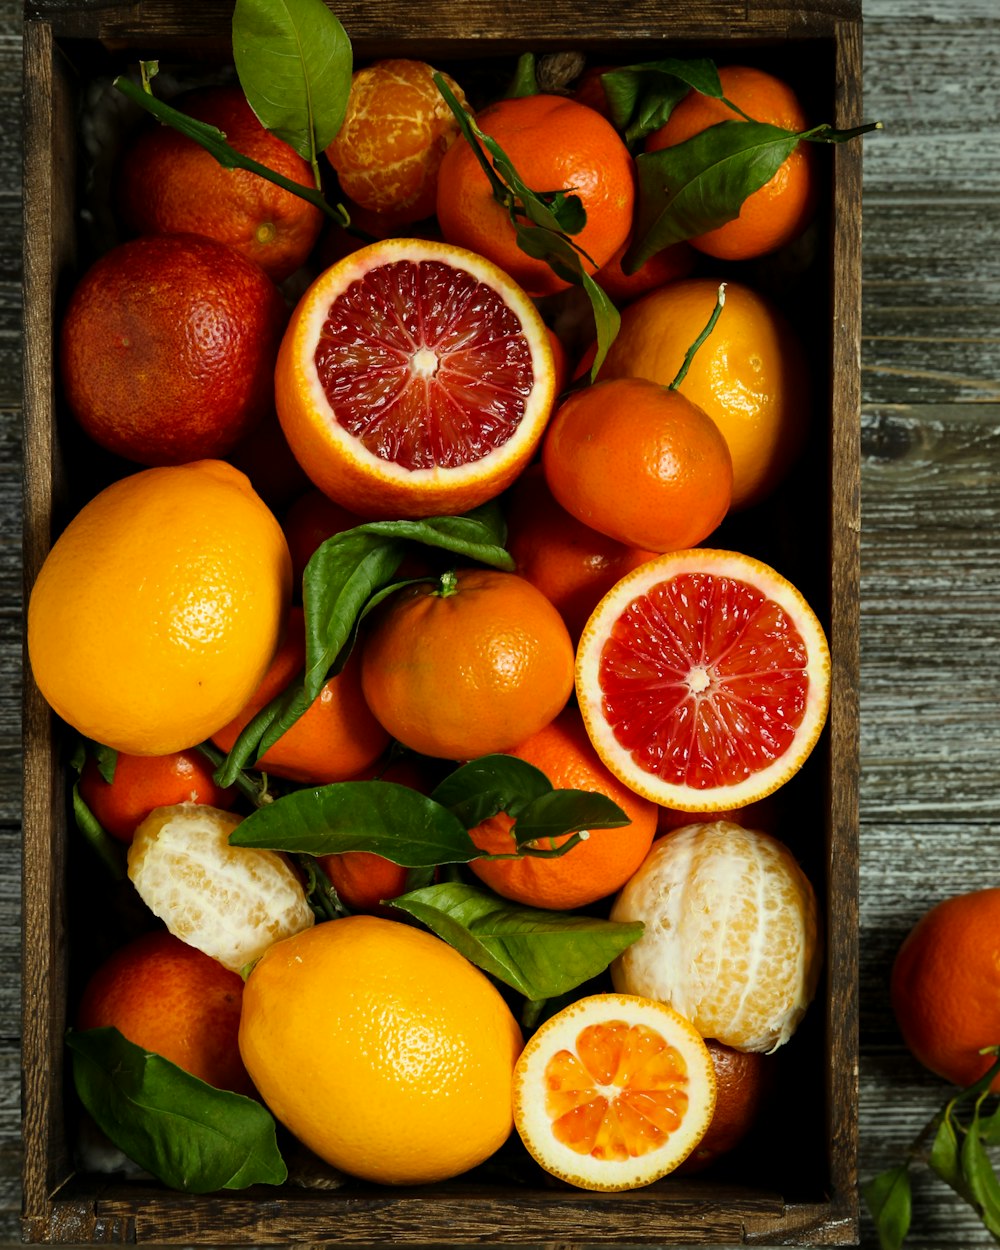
x=471, y=669
x=594, y=868
x=777, y=212
x=613, y=1092
x=395, y=133
x=749, y=375
x=142, y=782
x=573, y=565
x=232, y=902
x=640, y=463
x=744, y=1083
x=945, y=986
x=731, y=937
x=158, y=609
x=555, y=144
x=703, y=678
x=667, y=265
x=169, y=998
x=168, y=346
x=414, y=379
x=382, y=1049
x=168, y=184
x=333, y=739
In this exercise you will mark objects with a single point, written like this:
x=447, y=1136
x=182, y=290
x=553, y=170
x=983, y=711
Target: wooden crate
x=798, y=1184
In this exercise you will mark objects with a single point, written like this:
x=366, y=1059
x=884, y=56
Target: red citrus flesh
x=426, y=365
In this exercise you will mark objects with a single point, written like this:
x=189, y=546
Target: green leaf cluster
x=958, y=1155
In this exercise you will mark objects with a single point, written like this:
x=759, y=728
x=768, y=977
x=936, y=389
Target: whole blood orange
x=595, y=867
x=640, y=463
x=780, y=210
x=472, y=665
x=704, y=680
x=142, y=782
x=749, y=375
x=333, y=739
x=395, y=133
x=382, y=1049
x=159, y=607
x=175, y=1001
x=555, y=144
x=731, y=934
x=168, y=346
x=414, y=379
x=169, y=184
x=945, y=986
x=744, y=1083
x=613, y=1092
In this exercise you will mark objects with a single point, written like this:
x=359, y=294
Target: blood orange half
x=613, y=1092
x=415, y=378
x=704, y=680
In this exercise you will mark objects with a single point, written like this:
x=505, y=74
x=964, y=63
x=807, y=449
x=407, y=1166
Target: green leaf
x=698, y=185
x=488, y=785
x=538, y=953
x=989, y=1128
x=889, y=1200
x=190, y=1135
x=525, y=80
x=566, y=811
x=394, y=821
x=642, y=97
x=108, y=850
x=214, y=141
x=294, y=63
x=980, y=1177
x=107, y=761
x=944, y=1156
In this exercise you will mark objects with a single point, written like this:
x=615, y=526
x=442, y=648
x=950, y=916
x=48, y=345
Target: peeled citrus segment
x=613, y=1092
x=704, y=680
x=415, y=378
x=232, y=902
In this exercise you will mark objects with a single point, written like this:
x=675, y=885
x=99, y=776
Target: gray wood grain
x=930, y=540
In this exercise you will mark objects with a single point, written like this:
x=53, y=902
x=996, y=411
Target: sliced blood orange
x=613, y=1092
x=704, y=679
x=415, y=378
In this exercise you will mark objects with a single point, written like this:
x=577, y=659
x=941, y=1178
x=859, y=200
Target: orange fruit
x=171, y=999
x=570, y=563
x=640, y=463
x=168, y=184
x=945, y=986
x=232, y=902
x=158, y=609
x=744, y=1081
x=594, y=868
x=382, y=1049
x=613, y=1092
x=666, y=265
x=142, y=782
x=467, y=667
x=267, y=460
x=749, y=375
x=780, y=210
x=704, y=680
x=334, y=738
x=396, y=414
x=395, y=133
x=168, y=346
x=730, y=936
x=311, y=519
x=555, y=144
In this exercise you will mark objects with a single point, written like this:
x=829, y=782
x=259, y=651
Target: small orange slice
x=704, y=680
x=613, y=1092
x=415, y=378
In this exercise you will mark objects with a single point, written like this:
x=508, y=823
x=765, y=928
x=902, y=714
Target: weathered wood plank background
x=931, y=540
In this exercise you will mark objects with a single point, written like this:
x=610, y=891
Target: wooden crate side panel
x=49, y=244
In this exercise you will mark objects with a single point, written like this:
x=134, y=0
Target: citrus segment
x=704, y=679
x=415, y=378
x=613, y=1092
x=730, y=937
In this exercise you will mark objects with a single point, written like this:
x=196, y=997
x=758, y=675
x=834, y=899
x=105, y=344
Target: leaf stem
x=256, y=791
x=686, y=362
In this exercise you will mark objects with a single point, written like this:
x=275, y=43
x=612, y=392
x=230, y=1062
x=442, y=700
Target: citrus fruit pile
x=455, y=751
